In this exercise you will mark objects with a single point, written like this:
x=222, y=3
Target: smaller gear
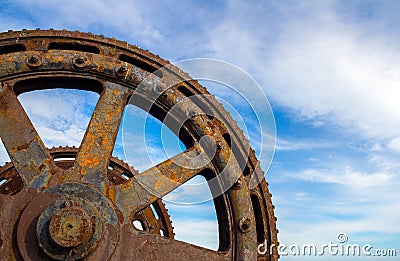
x=154, y=219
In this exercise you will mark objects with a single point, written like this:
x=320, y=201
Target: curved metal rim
x=114, y=48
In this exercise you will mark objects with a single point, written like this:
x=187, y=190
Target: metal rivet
x=34, y=60
x=219, y=145
x=80, y=61
x=121, y=70
x=244, y=224
x=237, y=185
x=192, y=113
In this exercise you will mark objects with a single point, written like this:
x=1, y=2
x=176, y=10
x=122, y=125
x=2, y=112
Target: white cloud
x=195, y=223
x=394, y=144
x=324, y=67
x=347, y=177
x=353, y=82
x=199, y=232
x=122, y=19
x=324, y=202
x=302, y=144
x=54, y=138
x=59, y=116
x=193, y=192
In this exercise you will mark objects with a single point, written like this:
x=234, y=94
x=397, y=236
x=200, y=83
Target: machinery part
x=117, y=172
x=33, y=203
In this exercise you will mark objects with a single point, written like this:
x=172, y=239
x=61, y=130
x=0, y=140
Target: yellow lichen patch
x=163, y=185
x=127, y=186
x=173, y=175
x=54, y=58
x=158, y=185
x=111, y=193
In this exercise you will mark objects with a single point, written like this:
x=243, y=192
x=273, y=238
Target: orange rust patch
x=127, y=185
x=111, y=193
x=173, y=175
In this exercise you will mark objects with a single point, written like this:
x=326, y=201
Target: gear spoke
x=156, y=182
x=21, y=140
x=97, y=145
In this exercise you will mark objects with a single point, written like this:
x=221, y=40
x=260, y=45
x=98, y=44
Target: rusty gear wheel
x=81, y=209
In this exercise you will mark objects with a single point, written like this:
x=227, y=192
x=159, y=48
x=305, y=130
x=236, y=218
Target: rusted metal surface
x=117, y=168
x=34, y=224
x=84, y=208
x=23, y=144
x=69, y=228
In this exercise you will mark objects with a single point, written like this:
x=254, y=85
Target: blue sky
x=330, y=69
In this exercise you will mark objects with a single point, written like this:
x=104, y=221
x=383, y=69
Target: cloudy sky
x=331, y=72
